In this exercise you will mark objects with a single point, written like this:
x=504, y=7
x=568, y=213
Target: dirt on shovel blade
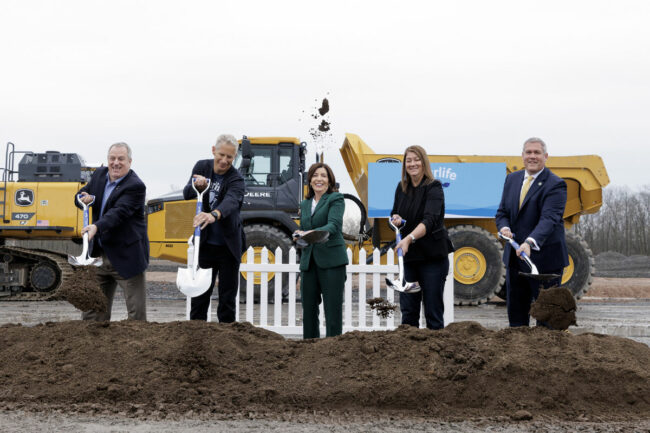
x=82, y=291
x=556, y=307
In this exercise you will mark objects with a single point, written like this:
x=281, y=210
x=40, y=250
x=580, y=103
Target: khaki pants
x=134, y=290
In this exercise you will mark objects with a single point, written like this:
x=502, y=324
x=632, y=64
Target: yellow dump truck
x=478, y=270
x=275, y=177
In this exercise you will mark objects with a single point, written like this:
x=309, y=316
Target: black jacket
x=424, y=204
x=122, y=229
x=229, y=203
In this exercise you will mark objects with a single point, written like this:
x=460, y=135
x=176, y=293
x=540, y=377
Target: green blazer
x=328, y=215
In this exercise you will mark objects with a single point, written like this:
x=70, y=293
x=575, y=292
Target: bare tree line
x=621, y=225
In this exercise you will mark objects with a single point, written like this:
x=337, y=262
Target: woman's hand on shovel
x=396, y=219
x=404, y=244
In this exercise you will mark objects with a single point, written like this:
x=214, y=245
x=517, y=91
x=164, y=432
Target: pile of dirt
x=163, y=370
x=82, y=291
x=555, y=306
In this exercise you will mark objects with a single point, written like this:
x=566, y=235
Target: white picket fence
x=284, y=318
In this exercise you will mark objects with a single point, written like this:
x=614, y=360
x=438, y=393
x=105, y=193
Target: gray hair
x=227, y=139
x=535, y=140
x=121, y=144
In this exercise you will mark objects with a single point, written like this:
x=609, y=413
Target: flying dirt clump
x=383, y=308
x=82, y=291
x=324, y=108
x=320, y=132
x=555, y=306
x=324, y=126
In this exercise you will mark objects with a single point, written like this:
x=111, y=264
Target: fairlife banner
x=472, y=189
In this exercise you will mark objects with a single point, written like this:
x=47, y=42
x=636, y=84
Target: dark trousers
x=134, y=289
x=328, y=283
x=224, y=265
x=522, y=291
x=431, y=275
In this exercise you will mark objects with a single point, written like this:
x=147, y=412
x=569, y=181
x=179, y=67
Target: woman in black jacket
x=420, y=201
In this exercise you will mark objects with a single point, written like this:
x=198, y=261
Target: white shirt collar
x=526, y=175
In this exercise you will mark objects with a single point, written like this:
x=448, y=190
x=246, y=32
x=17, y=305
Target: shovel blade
x=540, y=277
x=84, y=261
x=404, y=288
x=191, y=283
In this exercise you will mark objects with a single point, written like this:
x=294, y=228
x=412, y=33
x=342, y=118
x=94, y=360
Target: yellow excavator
x=36, y=204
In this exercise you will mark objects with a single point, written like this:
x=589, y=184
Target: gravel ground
x=23, y=422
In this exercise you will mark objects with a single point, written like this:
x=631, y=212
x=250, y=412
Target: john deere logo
x=24, y=197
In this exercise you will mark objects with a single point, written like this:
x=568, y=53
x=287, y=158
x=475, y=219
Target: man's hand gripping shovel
x=84, y=259
x=534, y=273
x=401, y=285
x=194, y=281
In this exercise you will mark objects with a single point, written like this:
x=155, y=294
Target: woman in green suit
x=322, y=266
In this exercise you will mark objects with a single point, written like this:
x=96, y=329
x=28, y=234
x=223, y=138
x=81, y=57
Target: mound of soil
x=82, y=291
x=208, y=369
x=555, y=306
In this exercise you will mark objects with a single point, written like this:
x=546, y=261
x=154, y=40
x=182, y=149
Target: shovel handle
x=85, y=206
x=398, y=236
x=199, y=203
x=516, y=246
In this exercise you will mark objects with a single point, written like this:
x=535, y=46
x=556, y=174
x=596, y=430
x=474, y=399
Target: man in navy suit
x=222, y=237
x=118, y=232
x=531, y=211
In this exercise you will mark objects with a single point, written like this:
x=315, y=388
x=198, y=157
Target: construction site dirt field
x=183, y=376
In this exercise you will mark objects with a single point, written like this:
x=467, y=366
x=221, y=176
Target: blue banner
x=472, y=189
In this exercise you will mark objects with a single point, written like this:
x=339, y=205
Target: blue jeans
x=431, y=276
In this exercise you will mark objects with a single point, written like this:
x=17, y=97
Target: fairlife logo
x=444, y=173
x=24, y=197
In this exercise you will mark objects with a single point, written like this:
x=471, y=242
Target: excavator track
x=65, y=272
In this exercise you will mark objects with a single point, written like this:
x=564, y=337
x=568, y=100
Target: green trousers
x=328, y=283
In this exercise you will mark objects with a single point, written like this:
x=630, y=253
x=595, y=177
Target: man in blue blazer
x=531, y=211
x=222, y=237
x=118, y=233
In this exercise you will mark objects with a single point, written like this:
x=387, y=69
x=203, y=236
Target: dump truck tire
x=259, y=236
x=478, y=268
x=579, y=275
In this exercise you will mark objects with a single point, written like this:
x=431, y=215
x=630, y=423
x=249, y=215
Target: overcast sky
x=457, y=77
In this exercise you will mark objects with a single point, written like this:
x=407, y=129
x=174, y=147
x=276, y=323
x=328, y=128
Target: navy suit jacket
x=122, y=229
x=231, y=197
x=540, y=217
